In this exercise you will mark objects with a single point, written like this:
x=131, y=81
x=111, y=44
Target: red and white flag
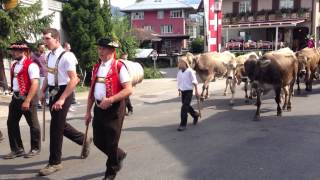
x=213, y=20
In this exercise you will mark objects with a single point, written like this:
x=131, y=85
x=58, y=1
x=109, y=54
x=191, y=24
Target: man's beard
x=19, y=58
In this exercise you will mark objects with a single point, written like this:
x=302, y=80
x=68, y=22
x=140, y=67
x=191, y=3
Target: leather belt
x=52, y=70
x=17, y=95
x=100, y=80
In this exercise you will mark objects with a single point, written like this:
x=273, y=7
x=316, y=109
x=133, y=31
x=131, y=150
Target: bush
x=150, y=73
x=197, y=45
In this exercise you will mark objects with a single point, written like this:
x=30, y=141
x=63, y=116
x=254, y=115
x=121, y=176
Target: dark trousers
x=128, y=104
x=59, y=128
x=15, y=114
x=186, y=97
x=107, y=126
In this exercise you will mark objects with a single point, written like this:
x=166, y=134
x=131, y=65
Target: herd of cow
x=277, y=70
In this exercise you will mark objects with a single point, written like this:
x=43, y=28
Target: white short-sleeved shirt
x=33, y=71
x=67, y=63
x=186, y=79
x=100, y=88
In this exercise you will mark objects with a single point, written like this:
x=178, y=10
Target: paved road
x=225, y=145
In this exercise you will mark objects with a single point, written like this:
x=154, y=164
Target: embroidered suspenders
x=54, y=71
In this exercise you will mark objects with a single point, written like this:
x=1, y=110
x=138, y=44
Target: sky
x=122, y=3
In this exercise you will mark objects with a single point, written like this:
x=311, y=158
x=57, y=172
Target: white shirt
x=100, y=88
x=186, y=79
x=33, y=71
x=67, y=63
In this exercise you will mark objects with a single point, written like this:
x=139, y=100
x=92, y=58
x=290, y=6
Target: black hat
x=18, y=46
x=107, y=42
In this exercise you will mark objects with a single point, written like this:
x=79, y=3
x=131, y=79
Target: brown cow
x=210, y=66
x=240, y=73
x=309, y=60
x=276, y=70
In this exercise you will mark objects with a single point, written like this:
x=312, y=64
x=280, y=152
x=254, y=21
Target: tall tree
x=122, y=30
x=22, y=23
x=85, y=21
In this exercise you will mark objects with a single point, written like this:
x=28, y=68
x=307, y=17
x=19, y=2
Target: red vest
x=112, y=81
x=22, y=77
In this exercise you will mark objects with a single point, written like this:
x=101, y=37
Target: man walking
x=110, y=85
x=24, y=84
x=61, y=80
x=187, y=80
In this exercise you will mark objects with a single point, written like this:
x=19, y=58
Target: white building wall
x=49, y=7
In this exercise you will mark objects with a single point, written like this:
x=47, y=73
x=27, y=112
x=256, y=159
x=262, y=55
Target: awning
x=270, y=24
x=174, y=36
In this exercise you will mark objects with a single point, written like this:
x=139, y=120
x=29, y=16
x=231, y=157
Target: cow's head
x=231, y=68
x=250, y=68
x=302, y=63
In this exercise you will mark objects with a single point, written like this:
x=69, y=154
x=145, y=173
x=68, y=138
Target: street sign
x=154, y=56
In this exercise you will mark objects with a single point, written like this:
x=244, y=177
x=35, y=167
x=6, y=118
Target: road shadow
x=231, y=146
x=24, y=168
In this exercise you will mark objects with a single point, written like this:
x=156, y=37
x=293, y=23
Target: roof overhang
x=174, y=36
x=270, y=24
x=154, y=9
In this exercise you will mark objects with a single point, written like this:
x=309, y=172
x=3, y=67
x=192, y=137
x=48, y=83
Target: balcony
x=267, y=15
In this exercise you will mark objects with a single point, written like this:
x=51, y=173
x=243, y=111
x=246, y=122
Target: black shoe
x=195, y=119
x=181, y=128
x=13, y=154
x=31, y=153
x=86, y=150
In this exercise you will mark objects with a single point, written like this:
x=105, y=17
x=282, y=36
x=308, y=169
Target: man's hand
x=58, y=105
x=25, y=105
x=179, y=92
x=105, y=103
x=88, y=118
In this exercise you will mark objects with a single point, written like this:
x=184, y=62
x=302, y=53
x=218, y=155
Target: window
x=166, y=29
x=191, y=31
x=176, y=14
x=286, y=4
x=245, y=6
x=160, y=14
x=147, y=28
x=137, y=15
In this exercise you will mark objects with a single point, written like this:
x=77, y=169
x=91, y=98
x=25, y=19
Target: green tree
x=197, y=45
x=22, y=23
x=122, y=30
x=86, y=21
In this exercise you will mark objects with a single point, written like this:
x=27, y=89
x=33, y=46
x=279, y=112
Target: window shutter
x=297, y=4
x=254, y=6
x=275, y=4
x=235, y=7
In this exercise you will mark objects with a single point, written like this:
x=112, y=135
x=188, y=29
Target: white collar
x=107, y=62
x=57, y=51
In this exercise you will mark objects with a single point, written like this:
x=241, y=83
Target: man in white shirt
x=61, y=80
x=110, y=85
x=24, y=83
x=187, y=80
